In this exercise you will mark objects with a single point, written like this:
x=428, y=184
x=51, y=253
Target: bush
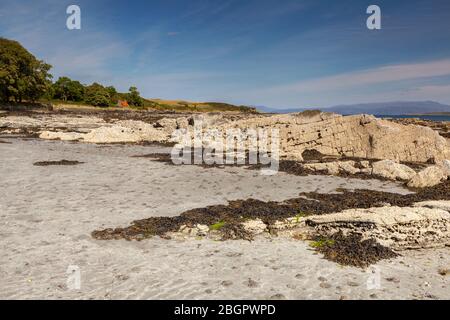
x=97, y=95
x=134, y=97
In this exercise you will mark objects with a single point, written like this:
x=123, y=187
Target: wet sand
x=48, y=212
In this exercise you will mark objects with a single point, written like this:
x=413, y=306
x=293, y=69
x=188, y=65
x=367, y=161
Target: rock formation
x=392, y=170
x=358, y=136
x=361, y=136
x=422, y=226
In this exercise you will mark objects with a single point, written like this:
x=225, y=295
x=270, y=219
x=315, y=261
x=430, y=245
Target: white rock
x=445, y=166
x=392, y=170
x=330, y=167
x=334, y=168
x=348, y=167
x=202, y=230
x=365, y=164
x=125, y=131
x=64, y=136
x=254, y=226
x=428, y=177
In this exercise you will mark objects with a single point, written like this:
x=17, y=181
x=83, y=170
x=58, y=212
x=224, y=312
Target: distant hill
x=283, y=110
x=381, y=108
x=392, y=108
x=187, y=106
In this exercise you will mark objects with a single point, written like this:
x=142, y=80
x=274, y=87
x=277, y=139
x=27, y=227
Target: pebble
x=226, y=283
x=251, y=283
x=353, y=284
x=393, y=279
x=325, y=285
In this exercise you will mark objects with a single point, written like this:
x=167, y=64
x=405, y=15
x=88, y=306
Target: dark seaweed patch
x=239, y=211
x=352, y=250
x=57, y=163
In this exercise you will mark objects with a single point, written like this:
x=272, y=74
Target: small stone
x=251, y=283
x=325, y=285
x=393, y=279
x=226, y=283
x=291, y=286
x=352, y=284
x=202, y=230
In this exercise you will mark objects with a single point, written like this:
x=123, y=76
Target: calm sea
x=425, y=117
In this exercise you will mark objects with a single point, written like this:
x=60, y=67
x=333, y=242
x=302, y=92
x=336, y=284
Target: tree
x=97, y=95
x=22, y=76
x=134, y=97
x=112, y=91
x=67, y=89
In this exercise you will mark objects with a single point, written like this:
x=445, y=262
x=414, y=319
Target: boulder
x=428, y=177
x=392, y=170
x=445, y=166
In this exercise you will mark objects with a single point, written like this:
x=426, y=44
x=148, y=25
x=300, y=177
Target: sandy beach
x=48, y=213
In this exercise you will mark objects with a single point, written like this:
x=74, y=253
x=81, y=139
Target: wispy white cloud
x=416, y=81
x=378, y=75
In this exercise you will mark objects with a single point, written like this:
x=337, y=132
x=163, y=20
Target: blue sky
x=274, y=53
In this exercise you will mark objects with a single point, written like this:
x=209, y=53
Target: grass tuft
x=217, y=226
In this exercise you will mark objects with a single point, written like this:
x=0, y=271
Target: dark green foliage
x=134, y=97
x=66, y=89
x=22, y=76
x=97, y=95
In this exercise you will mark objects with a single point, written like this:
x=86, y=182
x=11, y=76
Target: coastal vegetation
x=26, y=79
x=22, y=76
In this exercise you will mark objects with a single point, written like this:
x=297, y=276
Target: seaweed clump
x=352, y=250
x=57, y=163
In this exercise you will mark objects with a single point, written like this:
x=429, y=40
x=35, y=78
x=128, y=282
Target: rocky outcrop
x=422, y=226
x=361, y=136
x=392, y=170
x=119, y=132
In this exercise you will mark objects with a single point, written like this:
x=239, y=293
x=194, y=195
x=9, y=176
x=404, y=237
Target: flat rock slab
x=422, y=226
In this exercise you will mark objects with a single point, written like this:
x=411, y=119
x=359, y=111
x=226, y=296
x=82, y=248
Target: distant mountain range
x=382, y=108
